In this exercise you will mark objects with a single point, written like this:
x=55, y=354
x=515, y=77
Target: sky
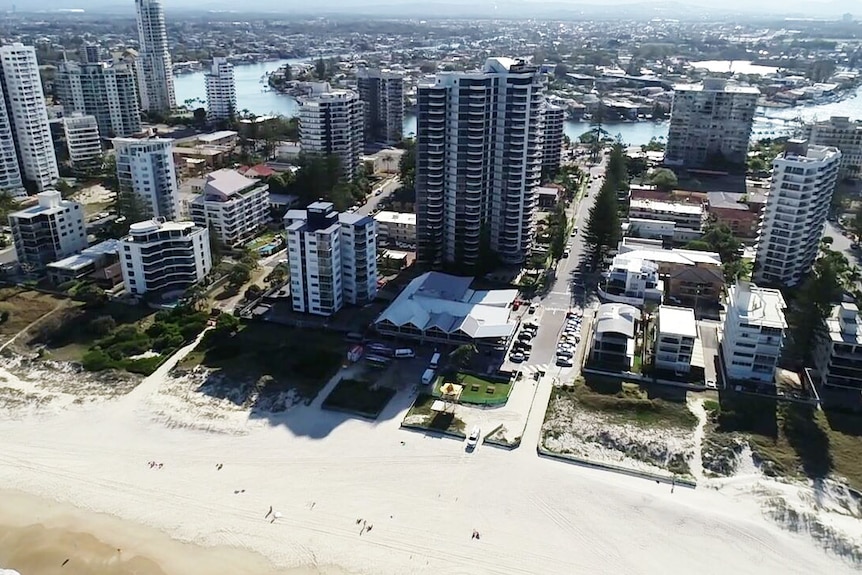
x=815, y=8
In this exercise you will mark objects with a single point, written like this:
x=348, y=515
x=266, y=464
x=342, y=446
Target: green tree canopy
x=665, y=180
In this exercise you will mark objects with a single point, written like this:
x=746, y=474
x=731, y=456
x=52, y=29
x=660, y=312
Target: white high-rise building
x=25, y=104
x=552, y=153
x=839, y=132
x=710, y=123
x=155, y=71
x=221, y=90
x=479, y=160
x=382, y=94
x=797, y=204
x=83, y=142
x=145, y=170
x=358, y=258
x=232, y=207
x=753, y=334
x=332, y=258
x=837, y=352
x=164, y=258
x=107, y=92
x=10, y=173
x=331, y=124
x=49, y=231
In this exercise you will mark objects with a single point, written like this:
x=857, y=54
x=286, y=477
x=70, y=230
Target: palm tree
x=195, y=297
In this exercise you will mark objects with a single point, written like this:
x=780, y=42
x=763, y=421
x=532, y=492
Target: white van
x=404, y=352
x=428, y=376
x=435, y=361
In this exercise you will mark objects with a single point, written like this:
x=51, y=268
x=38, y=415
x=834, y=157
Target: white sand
x=323, y=471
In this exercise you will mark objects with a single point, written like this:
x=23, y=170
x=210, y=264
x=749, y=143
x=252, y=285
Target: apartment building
x=689, y=216
x=839, y=132
x=632, y=280
x=479, y=149
x=83, y=142
x=710, y=123
x=154, y=68
x=331, y=123
x=396, y=227
x=10, y=172
x=797, y=205
x=838, y=348
x=739, y=212
x=358, y=258
x=49, y=231
x=382, y=95
x=552, y=152
x=753, y=333
x=146, y=173
x=232, y=207
x=107, y=92
x=221, y=90
x=613, y=338
x=676, y=332
x=163, y=259
x=332, y=258
x=28, y=114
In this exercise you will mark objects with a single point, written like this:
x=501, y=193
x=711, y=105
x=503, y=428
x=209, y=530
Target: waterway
x=735, y=66
x=255, y=96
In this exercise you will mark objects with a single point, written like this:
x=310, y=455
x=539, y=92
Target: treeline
x=603, y=230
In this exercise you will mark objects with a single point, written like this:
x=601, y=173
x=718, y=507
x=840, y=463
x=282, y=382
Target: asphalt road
x=386, y=188
x=567, y=289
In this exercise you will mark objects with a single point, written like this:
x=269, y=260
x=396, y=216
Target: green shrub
x=144, y=365
x=96, y=360
x=102, y=325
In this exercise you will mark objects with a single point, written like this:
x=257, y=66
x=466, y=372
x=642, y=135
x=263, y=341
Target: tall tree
x=603, y=226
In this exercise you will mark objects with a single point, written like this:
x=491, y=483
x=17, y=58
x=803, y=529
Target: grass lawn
x=477, y=389
x=431, y=420
x=792, y=439
x=649, y=406
x=300, y=359
x=358, y=396
x=66, y=337
x=25, y=307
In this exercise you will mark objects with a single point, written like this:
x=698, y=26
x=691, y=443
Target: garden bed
x=358, y=397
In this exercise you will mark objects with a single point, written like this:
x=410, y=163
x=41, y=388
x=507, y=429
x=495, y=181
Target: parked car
x=710, y=383
x=473, y=438
x=563, y=362
x=564, y=353
x=533, y=307
x=517, y=357
x=526, y=335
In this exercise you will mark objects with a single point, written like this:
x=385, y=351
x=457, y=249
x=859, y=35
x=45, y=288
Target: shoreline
x=43, y=537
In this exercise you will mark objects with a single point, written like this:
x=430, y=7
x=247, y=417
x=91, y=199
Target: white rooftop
x=673, y=256
x=673, y=207
x=148, y=226
x=845, y=324
x=758, y=306
x=617, y=318
x=226, y=183
x=388, y=217
x=677, y=321
x=215, y=136
x=445, y=302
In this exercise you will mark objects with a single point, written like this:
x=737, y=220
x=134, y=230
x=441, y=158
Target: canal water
x=253, y=94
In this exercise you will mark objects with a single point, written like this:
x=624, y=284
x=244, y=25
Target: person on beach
x=268, y=513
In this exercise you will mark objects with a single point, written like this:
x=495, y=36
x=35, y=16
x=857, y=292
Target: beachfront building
x=163, y=259
x=442, y=308
x=753, y=333
x=10, y=172
x=631, y=280
x=396, y=227
x=710, y=124
x=314, y=257
x=153, y=66
x=838, y=348
x=613, y=338
x=803, y=180
x=83, y=143
x=479, y=161
x=49, y=231
x=839, y=132
x=28, y=115
x=221, y=90
x=107, y=92
x=552, y=151
x=331, y=124
x=98, y=263
x=382, y=95
x=358, y=258
x=676, y=332
x=233, y=207
x=147, y=177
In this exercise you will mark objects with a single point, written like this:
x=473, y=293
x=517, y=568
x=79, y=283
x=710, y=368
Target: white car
x=517, y=357
x=473, y=438
x=710, y=383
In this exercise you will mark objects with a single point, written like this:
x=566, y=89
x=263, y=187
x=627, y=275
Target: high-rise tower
x=155, y=71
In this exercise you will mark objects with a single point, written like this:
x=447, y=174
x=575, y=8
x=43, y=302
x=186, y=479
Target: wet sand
x=40, y=537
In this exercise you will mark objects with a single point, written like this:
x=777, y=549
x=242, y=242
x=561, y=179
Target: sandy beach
x=85, y=469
